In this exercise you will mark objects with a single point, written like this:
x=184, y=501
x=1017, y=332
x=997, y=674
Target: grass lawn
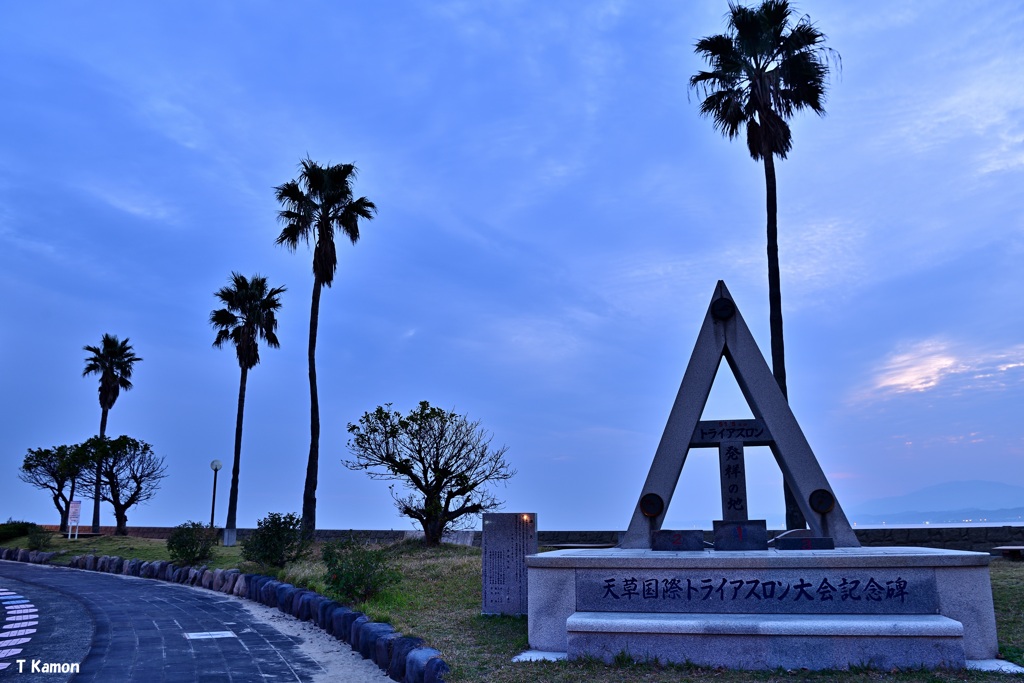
x=128, y=547
x=440, y=596
x=439, y=599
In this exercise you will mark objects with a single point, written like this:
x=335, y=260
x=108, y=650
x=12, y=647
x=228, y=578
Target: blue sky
x=553, y=217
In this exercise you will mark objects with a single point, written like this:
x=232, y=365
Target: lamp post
x=215, y=466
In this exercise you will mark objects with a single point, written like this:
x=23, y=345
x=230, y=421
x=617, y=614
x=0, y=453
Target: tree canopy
x=763, y=70
x=249, y=314
x=443, y=460
x=129, y=473
x=113, y=361
x=53, y=469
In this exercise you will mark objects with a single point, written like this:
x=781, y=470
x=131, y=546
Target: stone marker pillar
x=734, y=481
x=507, y=539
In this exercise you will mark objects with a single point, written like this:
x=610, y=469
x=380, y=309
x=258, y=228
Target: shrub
x=39, y=538
x=191, y=543
x=355, y=573
x=276, y=541
x=14, y=529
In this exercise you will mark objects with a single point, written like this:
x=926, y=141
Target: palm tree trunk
x=794, y=517
x=313, y=465
x=236, y=464
x=99, y=470
x=774, y=280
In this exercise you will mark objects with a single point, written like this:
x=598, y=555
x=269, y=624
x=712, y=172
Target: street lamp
x=215, y=466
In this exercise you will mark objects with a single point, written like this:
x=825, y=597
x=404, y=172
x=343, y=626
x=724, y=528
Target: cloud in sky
x=132, y=200
x=822, y=259
x=20, y=241
x=939, y=365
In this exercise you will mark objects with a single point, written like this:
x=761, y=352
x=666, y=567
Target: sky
x=553, y=215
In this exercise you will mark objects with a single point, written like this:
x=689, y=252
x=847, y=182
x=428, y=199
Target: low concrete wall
x=381, y=536
x=979, y=538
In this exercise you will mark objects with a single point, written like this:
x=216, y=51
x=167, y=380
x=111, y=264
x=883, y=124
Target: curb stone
x=325, y=616
x=371, y=632
x=416, y=663
x=385, y=644
x=338, y=622
x=284, y=594
x=345, y=634
x=435, y=670
x=399, y=654
x=357, y=631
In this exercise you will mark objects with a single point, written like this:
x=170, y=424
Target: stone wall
x=979, y=539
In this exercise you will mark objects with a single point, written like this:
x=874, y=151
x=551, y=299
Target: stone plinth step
x=768, y=641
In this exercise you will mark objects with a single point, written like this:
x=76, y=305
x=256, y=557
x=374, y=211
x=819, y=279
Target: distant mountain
x=949, y=502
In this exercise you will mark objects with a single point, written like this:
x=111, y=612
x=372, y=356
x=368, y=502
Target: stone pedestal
x=507, y=539
x=764, y=609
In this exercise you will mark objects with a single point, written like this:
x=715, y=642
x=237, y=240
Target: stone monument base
x=879, y=607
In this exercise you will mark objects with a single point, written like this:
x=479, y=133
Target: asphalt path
x=122, y=628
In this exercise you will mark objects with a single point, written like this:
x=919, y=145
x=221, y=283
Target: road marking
x=14, y=641
x=206, y=635
x=19, y=614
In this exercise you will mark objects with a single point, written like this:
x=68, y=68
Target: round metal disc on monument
x=822, y=501
x=723, y=309
x=651, y=505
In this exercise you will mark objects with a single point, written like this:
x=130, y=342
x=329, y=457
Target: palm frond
x=291, y=234
x=762, y=70
x=249, y=314
x=316, y=205
x=113, y=361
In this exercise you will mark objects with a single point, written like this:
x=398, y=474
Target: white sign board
x=74, y=512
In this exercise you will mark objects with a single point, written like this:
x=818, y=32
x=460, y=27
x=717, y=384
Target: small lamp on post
x=215, y=466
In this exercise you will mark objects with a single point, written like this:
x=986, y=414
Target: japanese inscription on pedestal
x=853, y=591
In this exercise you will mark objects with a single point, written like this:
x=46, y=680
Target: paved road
x=121, y=628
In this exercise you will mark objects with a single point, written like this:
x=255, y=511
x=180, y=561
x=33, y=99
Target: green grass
x=440, y=596
x=128, y=547
x=439, y=600
x=1008, y=597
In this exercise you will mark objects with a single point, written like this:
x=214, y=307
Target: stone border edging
x=402, y=658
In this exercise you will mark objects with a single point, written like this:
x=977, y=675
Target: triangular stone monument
x=724, y=333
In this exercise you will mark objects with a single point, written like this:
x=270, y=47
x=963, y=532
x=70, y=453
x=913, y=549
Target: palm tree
x=112, y=360
x=249, y=314
x=316, y=205
x=764, y=69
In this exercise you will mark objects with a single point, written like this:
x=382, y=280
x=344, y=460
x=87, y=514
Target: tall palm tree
x=249, y=314
x=113, y=361
x=316, y=205
x=764, y=69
